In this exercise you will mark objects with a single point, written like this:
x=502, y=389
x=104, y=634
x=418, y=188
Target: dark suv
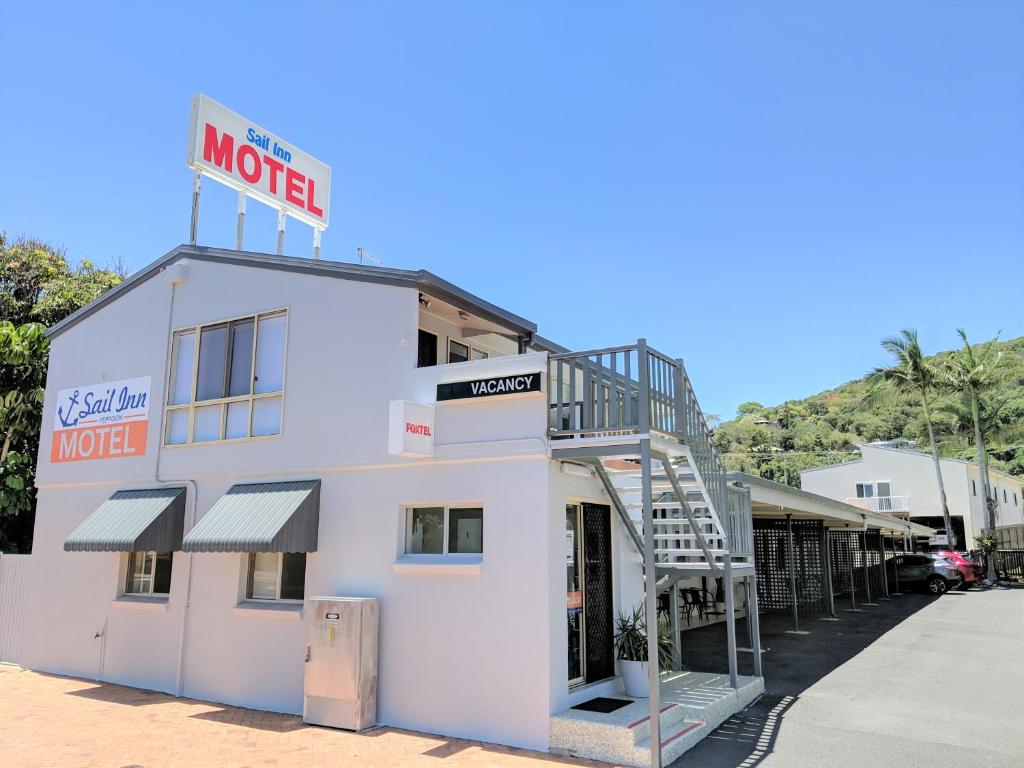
x=936, y=574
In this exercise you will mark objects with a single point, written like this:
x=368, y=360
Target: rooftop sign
x=246, y=157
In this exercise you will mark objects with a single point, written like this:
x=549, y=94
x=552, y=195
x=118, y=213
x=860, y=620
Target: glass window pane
x=240, y=377
x=465, y=531
x=207, y=424
x=177, y=427
x=238, y=420
x=263, y=568
x=270, y=353
x=266, y=416
x=213, y=345
x=457, y=353
x=883, y=489
x=479, y=354
x=140, y=573
x=425, y=532
x=180, y=390
x=293, y=575
x=162, y=574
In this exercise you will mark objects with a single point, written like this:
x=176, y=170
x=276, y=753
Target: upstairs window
x=865, y=490
x=460, y=352
x=227, y=380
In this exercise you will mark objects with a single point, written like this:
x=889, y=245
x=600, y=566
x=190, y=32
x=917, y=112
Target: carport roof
x=771, y=499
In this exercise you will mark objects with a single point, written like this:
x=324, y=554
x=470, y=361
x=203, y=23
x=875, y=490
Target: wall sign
x=410, y=429
x=237, y=152
x=101, y=421
x=500, y=385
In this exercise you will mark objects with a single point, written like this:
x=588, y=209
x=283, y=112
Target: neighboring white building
x=903, y=483
x=228, y=433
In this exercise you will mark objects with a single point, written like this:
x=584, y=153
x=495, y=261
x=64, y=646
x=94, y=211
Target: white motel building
x=228, y=434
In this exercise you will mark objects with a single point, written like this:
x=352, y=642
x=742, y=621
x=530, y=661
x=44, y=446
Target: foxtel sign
x=410, y=429
x=101, y=421
x=244, y=156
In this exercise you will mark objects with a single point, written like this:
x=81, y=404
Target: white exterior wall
x=910, y=474
x=479, y=655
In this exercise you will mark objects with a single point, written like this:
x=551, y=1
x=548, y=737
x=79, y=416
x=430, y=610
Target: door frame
x=578, y=502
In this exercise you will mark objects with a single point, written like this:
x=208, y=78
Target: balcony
x=882, y=503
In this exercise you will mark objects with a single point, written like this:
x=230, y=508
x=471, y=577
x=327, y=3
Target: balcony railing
x=882, y=503
x=631, y=389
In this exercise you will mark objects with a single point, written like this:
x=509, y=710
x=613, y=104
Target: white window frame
x=471, y=350
x=152, y=580
x=249, y=566
x=193, y=405
x=447, y=508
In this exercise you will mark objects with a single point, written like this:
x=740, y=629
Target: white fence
x=13, y=586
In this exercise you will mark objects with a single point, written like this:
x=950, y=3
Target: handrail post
x=643, y=373
x=680, y=384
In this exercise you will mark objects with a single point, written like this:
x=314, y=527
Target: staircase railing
x=598, y=392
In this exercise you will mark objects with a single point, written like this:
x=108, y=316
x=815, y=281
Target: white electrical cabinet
x=340, y=684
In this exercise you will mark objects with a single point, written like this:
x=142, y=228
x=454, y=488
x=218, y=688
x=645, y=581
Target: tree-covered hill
x=776, y=442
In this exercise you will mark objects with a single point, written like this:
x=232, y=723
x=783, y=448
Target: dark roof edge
x=420, y=280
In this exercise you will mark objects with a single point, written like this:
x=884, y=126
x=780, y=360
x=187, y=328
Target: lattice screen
x=771, y=555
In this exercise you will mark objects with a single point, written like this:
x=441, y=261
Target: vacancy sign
x=244, y=156
x=101, y=421
x=410, y=429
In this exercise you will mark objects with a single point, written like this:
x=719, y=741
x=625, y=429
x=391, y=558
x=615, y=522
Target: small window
x=149, y=573
x=457, y=352
x=884, y=489
x=276, y=576
x=974, y=488
x=865, y=490
x=426, y=355
x=478, y=354
x=444, y=531
x=1015, y=498
x=1004, y=495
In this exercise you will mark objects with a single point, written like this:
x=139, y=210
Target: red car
x=970, y=570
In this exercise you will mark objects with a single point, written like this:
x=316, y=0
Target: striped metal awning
x=260, y=517
x=137, y=520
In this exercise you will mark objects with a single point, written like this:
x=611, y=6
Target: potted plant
x=631, y=649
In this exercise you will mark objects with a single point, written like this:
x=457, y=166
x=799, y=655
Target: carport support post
x=895, y=570
x=867, y=569
x=792, y=571
x=853, y=580
x=885, y=570
x=650, y=570
x=826, y=559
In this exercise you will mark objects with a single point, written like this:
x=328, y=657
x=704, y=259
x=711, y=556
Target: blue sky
x=764, y=189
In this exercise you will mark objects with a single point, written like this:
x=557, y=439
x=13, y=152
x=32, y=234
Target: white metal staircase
x=631, y=414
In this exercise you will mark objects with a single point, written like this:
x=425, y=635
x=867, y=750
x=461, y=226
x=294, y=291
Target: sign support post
x=241, y=221
x=317, y=231
x=281, y=216
x=197, y=177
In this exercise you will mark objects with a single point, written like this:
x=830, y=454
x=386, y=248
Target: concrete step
x=674, y=742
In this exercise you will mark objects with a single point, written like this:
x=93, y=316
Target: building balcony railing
x=882, y=503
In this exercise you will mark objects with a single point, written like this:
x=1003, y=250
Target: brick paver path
x=48, y=721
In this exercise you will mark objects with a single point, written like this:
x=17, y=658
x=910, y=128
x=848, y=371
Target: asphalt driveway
x=917, y=681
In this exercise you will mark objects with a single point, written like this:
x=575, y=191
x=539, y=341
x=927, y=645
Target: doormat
x=603, y=704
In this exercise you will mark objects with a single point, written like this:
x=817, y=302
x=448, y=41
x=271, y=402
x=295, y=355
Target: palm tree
x=913, y=375
x=971, y=373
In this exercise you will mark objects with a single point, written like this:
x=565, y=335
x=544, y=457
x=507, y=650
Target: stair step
x=676, y=741
x=671, y=715
x=688, y=536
